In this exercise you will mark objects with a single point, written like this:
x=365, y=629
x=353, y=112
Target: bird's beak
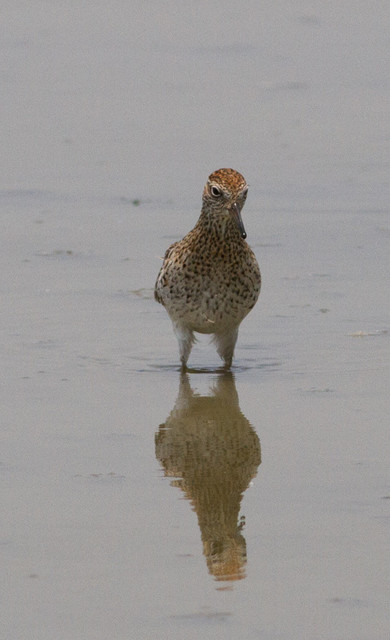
x=236, y=212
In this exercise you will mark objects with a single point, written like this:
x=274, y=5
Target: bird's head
x=224, y=197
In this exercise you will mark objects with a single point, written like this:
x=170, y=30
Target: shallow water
x=137, y=502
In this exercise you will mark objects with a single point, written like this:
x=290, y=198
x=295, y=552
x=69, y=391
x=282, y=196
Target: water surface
x=138, y=502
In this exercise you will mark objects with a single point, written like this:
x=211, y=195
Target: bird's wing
x=158, y=285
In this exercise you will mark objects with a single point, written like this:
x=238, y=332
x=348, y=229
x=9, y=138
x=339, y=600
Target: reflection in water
x=214, y=452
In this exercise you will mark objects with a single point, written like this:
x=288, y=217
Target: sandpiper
x=210, y=280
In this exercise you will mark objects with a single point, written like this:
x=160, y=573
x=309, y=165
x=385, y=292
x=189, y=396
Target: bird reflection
x=212, y=450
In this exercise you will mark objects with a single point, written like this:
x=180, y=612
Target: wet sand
x=137, y=502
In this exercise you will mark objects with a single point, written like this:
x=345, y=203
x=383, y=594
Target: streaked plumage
x=210, y=280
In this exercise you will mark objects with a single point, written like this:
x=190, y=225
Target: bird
x=210, y=280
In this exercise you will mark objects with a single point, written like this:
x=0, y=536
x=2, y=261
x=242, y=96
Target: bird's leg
x=185, y=339
x=225, y=345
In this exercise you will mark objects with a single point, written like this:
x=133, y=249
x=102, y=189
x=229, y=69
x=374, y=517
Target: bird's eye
x=245, y=193
x=215, y=192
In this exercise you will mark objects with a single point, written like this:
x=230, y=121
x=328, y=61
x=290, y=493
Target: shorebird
x=210, y=280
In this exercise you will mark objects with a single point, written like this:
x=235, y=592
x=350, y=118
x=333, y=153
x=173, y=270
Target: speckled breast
x=210, y=298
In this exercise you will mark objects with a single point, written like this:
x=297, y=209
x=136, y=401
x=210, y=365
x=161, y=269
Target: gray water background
x=112, y=117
